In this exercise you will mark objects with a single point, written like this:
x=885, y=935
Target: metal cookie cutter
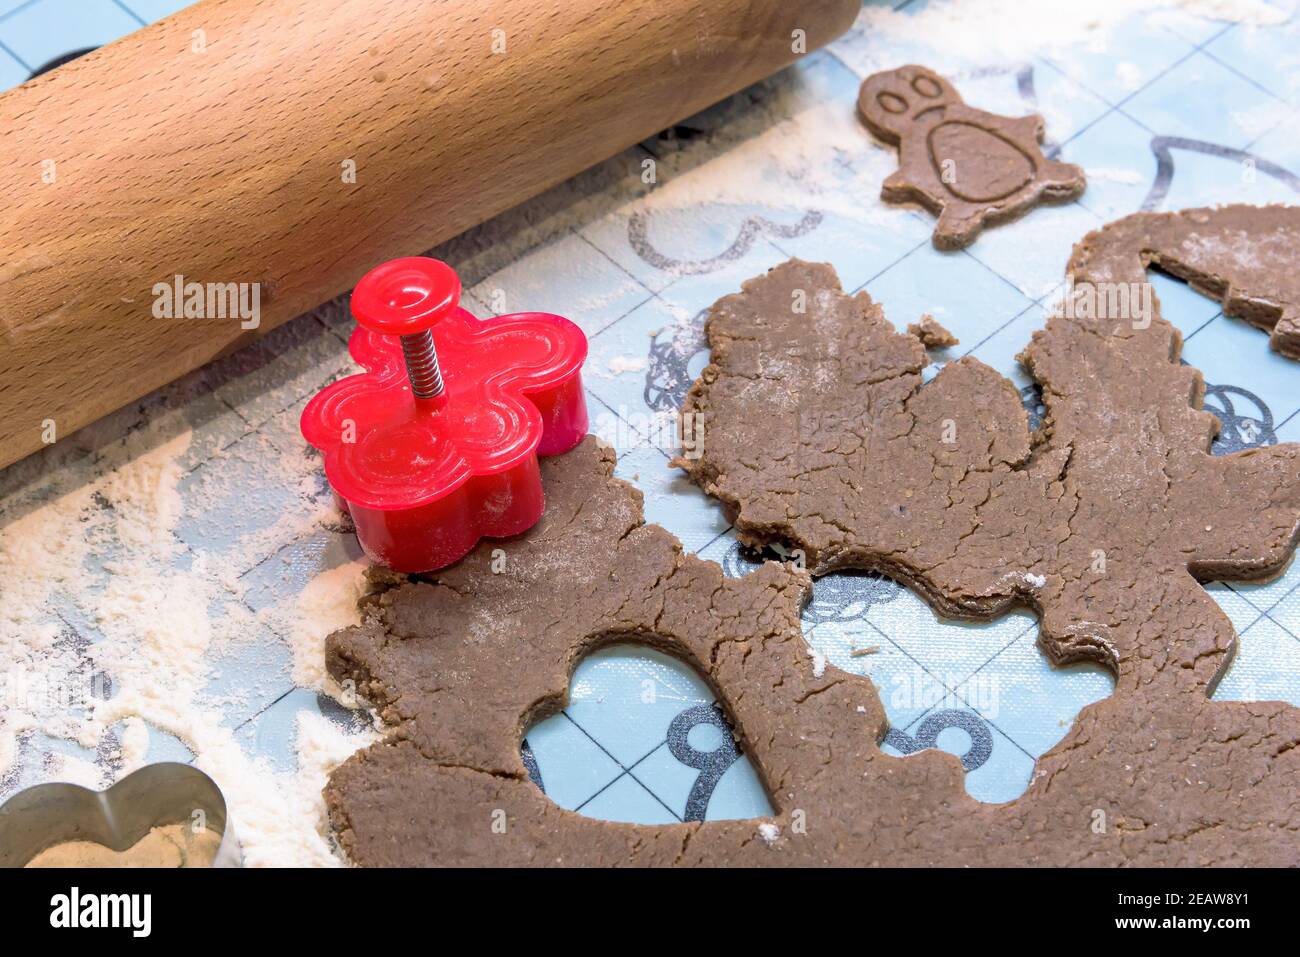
x=118, y=817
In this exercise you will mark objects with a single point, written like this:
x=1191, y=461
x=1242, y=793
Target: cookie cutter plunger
x=406, y=298
x=435, y=445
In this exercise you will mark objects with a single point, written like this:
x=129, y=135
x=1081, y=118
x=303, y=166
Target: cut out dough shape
x=461, y=663
x=970, y=167
x=818, y=434
x=1246, y=257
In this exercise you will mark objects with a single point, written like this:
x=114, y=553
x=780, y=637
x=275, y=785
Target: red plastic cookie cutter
x=429, y=456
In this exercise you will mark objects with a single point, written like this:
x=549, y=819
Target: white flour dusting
x=780, y=155
x=622, y=364
x=1111, y=174
x=818, y=663
x=1260, y=118
x=1128, y=74
x=73, y=770
x=1013, y=31
x=327, y=603
x=135, y=744
x=1250, y=12
x=90, y=548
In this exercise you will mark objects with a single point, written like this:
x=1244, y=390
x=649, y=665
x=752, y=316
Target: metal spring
x=422, y=364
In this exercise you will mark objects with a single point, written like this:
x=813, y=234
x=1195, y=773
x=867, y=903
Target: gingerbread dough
x=1104, y=526
x=932, y=334
x=970, y=167
x=1243, y=256
x=462, y=662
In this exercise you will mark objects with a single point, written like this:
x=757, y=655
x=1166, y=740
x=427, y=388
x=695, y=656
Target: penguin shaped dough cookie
x=972, y=168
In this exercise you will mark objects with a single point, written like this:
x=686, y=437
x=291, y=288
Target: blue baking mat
x=1202, y=112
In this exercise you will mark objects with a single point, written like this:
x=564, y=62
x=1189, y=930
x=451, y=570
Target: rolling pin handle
x=407, y=297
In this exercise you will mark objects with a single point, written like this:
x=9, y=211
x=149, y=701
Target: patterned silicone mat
x=1166, y=109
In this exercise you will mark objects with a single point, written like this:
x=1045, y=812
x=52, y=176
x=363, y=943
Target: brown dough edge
x=999, y=518
x=1258, y=282
x=918, y=178
x=460, y=664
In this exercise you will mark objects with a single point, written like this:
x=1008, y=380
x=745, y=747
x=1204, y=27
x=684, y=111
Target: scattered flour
x=1250, y=12
x=135, y=744
x=819, y=663
x=280, y=816
x=1129, y=75
x=779, y=156
x=74, y=770
x=1110, y=174
x=618, y=365
x=89, y=548
x=326, y=604
x=961, y=29
x=1262, y=117
x=769, y=833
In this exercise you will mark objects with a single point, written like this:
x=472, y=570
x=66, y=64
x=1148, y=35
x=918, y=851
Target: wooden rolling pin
x=290, y=145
